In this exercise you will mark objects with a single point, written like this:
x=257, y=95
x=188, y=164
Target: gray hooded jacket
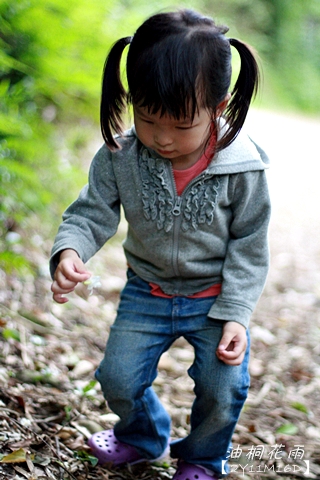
x=215, y=232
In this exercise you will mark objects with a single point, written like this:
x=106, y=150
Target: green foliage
x=88, y=390
x=286, y=34
x=51, y=58
x=301, y=407
x=28, y=149
x=84, y=456
x=288, y=429
x=11, y=333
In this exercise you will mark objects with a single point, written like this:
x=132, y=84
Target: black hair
x=178, y=62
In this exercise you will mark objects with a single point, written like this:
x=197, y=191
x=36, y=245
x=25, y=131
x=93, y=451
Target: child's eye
x=185, y=128
x=144, y=119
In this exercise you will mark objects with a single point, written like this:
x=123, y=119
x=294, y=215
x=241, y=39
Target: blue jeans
x=145, y=327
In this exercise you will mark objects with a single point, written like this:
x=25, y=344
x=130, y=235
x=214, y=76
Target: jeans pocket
x=136, y=282
x=216, y=322
x=131, y=274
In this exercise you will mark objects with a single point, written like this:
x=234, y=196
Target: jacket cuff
x=230, y=312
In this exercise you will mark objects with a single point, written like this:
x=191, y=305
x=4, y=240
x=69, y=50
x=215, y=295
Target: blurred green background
x=51, y=59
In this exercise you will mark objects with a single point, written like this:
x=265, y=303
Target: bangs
x=178, y=63
x=165, y=79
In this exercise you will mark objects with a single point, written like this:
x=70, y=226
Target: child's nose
x=163, y=138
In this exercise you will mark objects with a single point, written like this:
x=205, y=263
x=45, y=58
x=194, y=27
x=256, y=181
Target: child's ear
x=223, y=105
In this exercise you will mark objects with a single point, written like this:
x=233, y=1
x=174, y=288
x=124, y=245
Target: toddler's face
x=180, y=141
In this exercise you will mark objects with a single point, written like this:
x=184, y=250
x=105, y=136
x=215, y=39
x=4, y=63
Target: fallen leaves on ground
x=50, y=403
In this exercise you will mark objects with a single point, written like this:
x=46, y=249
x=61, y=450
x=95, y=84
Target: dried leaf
x=24, y=443
x=22, y=471
x=3, y=322
x=18, y=456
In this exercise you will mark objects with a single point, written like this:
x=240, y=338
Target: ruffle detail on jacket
x=158, y=198
x=201, y=203
x=156, y=195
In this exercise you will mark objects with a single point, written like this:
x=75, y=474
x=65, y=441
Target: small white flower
x=92, y=282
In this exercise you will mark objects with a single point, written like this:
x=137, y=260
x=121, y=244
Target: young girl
x=193, y=190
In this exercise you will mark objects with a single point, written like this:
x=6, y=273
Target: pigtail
x=114, y=96
x=244, y=91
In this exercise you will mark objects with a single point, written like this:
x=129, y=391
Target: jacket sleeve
x=247, y=259
x=94, y=217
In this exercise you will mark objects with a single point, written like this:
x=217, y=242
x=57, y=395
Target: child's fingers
x=233, y=363
x=234, y=357
x=231, y=354
x=64, y=286
x=70, y=271
x=67, y=277
x=61, y=284
x=72, y=268
x=59, y=298
x=59, y=292
x=230, y=350
x=226, y=342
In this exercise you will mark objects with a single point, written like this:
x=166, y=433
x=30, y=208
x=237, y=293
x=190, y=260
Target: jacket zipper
x=176, y=211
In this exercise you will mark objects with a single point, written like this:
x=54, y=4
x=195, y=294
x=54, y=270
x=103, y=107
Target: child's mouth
x=164, y=152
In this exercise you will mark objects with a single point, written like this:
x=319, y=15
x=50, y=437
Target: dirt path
x=49, y=405
x=292, y=142
x=289, y=308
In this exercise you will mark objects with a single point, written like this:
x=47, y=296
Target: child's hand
x=70, y=271
x=233, y=344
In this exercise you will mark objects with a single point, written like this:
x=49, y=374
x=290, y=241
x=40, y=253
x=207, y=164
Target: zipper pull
x=177, y=207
